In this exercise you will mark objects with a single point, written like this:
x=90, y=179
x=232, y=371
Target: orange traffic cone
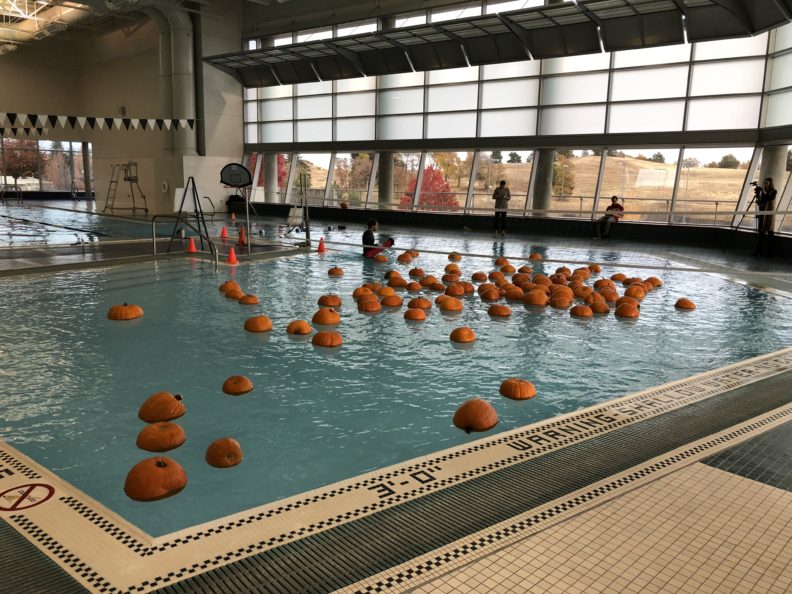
x=223, y=233
x=191, y=246
x=232, y=259
x=322, y=249
x=242, y=238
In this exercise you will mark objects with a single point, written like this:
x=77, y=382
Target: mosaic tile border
x=523, y=526
x=8, y=459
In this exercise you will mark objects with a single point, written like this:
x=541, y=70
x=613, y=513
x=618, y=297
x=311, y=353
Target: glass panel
x=314, y=35
x=349, y=85
x=356, y=28
x=250, y=111
x=643, y=179
x=572, y=120
x=355, y=129
x=400, y=127
x=314, y=107
x=710, y=182
x=79, y=171
x=783, y=38
x=665, y=116
x=667, y=54
x=508, y=122
x=576, y=63
x=314, y=130
x=277, y=109
x=314, y=88
x=453, y=98
x=511, y=69
x=356, y=104
x=276, y=192
x=251, y=133
x=312, y=177
x=410, y=20
x=781, y=72
x=731, y=48
x=575, y=175
x=445, y=181
x=720, y=78
x=778, y=112
x=20, y=164
x=586, y=88
x=405, y=179
x=718, y=114
x=56, y=169
x=407, y=79
x=651, y=83
x=450, y=14
x=453, y=75
x=496, y=7
x=251, y=44
x=283, y=40
x=502, y=164
x=276, y=92
x=401, y=101
x=451, y=125
x=509, y=93
x=249, y=94
x=278, y=132
x=351, y=178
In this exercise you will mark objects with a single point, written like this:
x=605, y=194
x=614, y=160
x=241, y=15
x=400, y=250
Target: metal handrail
x=212, y=246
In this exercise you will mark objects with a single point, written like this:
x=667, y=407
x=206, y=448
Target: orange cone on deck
x=232, y=259
x=242, y=238
x=191, y=249
x=321, y=249
x=223, y=233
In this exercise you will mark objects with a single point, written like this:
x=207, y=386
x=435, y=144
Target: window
x=719, y=114
x=496, y=7
x=451, y=125
x=314, y=107
x=355, y=129
x=576, y=63
x=508, y=122
x=667, y=54
x=453, y=98
x=276, y=109
x=651, y=116
x=731, y=48
x=314, y=130
x=575, y=175
x=395, y=127
x=781, y=72
x=643, y=179
x=583, y=88
x=588, y=119
x=401, y=101
x=649, y=83
x=445, y=181
x=458, y=12
x=511, y=70
x=509, y=93
x=722, y=78
x=351, y=176
x=502, y=164
x=778, y=112
x=311, y=178
x=356, y=104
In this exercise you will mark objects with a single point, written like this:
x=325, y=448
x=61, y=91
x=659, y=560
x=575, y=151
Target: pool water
x=72, y=381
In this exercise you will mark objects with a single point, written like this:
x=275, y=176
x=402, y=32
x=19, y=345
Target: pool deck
x=684, y=487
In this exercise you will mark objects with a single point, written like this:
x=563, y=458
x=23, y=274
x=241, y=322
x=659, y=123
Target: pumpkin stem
x=178, y=397
x=160, y=464
x=125, y=304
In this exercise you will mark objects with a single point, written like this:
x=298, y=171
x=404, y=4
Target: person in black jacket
x=368, y=237
x=765, y=201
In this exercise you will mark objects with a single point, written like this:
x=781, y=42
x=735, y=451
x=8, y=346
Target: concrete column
x=543, y=180
x=773, y=165
x=385, y=180
x=86, y=155
x=271, y=177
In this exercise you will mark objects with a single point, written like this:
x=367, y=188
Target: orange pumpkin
x=455, y=290
x=154, y=478
x=600, y=307
x=391, y=301
x=385, y=291
x=592, y=297
x=125, y=312
x=415, y=315
x=160, y=437
x=609, y=295
x=627, y=310
x=397, y=282
x=630, y=280
x=451, y=268
x=581, y=311
x=486, y=287
x=535, y=256
x=335, y=271
x=501, y=261
x=684, y=303
x=367, y=297
x=419, y=303
x=604, y=282
x=299, y=328
x=462, y=335
x=249, y=300
x=508, y=269
x=229, y=284
x=584, y=273
x=450, y=278
x=514, y=294
x=541, y=279
x=636, y=291
x=562, y=291
x=558, y=279
x=414, y=253
x=582, y=291
x=490, y=295
x=499, y=311
x=330, y=301
x=372, y=286
x=326, y=317
x=495, y=275
x=627, y=299
x=369, y=306
x=327, y=339
x=413, y=287
x=392, y=273
x=236, y=385
x=258, y=324
x=162, y=406
x=417, y=272
x=235, y=294
x=405, y=258
x=451, y=304
x=478, y=277
x=441, y=298
x=535, y=299
x=468, y=287
x=224, y=453
x=656, y=282
x=380, y=258
x=475, y=415
x=560, y=302
x=595, y=268
x=455, y=256
x=517, y=389
x=618, y=277
x=360, y=291
x=437, y=287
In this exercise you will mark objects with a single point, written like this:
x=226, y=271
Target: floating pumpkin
x=160, y=437
x=656, y=282
x=450, y=278
x=330, y=301
x=326, y=317
x=499, y=311
x=627, y=299
x=584, y=273
x=335, y=271
x=604, y=282
x=369, y=306
x=392, y=273
x=417, y=272
x=367, y=297
x=372, y=286
x=385, y=291
x=455, y=256
x=684, y=303
x=475, y=415
x=582, y=291
x=258, y=324
x=581, y=311
x=162, y=406
x=508, y=269
x=451, y=304
x=627, y=310
x=299, y=328
x=490, y=295
x=427, y=280
x=391, y=301
x=525, y=270
x=618, y=277
x=535, y=298
x=462, y=335
x=635, y=291
x=224, y=453
x=154, y=478
x=478, y=277
x=560, y=302
x=405, y=258
x=249, y=300
x=236, y=385
x=413, y=287
x=327, y=339
x=535, y=256
x=562, y=291
x=501, y=261
x=541, y=279
x=229, y=284
x=630, y=280
x=609, y=295
x=235, y=294
x=420, y=303
x=517, y=389
x=415, y=315
x=495, y=275
x=595, y=268
x=515, y=294
x=486, y=287
x=451, y=268
x=600, y=307
x=437, y=287
x=592, y=297
x=441, y=298
x=380, y=258
x=125, y=312
x=558, y=279
x=455, y=290
x=397, y=282
x=414, y=253
x=563, y=270
x=360, y=291
x=468, y=287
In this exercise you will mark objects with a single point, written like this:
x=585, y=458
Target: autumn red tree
x=435, y=192
x=283, y=171
x=19, y=159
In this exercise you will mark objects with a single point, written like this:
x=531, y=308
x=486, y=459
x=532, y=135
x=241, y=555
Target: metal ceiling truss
x=557, y=30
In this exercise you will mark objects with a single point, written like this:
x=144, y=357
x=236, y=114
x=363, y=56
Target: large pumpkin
x=450, y=304
x=299, y=328
x=475, y=415
x=414, y=314
x=330, y=301
x=455, y=256
x=413, y=287
x=235, y=294
x=154, y=478
x=627, y=310
x=327, y=339
x=536, y=256
x=236, y=385
x=229, y=284
x=249, y=300
x=356, y=294
x=335, y=271
x=600, y=307
x=416, y=272
x=125, y=312
x=369, y=306
x=455, y=290
x=391, y=301
x=397, y=281
x=405, y=258
x=478, y=277
x=326, y=316
x=684, y=303
x=463, y=335
x=419, y=303
x=258, y=324
x=517, y=389
x=380, y=258
x=501, y=261
x=535, y=298
x=581, y=311
x=499, y=311
x=162, y=406
x=224, y=453
x=160, y=437
x=452, y=269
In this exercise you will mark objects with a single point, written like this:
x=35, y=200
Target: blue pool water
x=72, y=381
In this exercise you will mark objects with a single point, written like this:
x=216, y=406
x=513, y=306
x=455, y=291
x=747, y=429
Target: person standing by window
x=501, y=196
x=765, y=201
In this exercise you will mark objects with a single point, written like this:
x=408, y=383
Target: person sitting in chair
x=612, y=215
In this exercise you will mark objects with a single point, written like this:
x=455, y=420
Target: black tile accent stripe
x=767, y=458
x=11, y=460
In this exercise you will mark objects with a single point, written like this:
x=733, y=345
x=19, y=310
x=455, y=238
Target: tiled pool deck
x=683, y=487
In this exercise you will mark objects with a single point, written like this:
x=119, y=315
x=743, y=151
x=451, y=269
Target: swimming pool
x=73, y=381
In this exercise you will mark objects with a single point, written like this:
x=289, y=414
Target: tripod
x=742, y=218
